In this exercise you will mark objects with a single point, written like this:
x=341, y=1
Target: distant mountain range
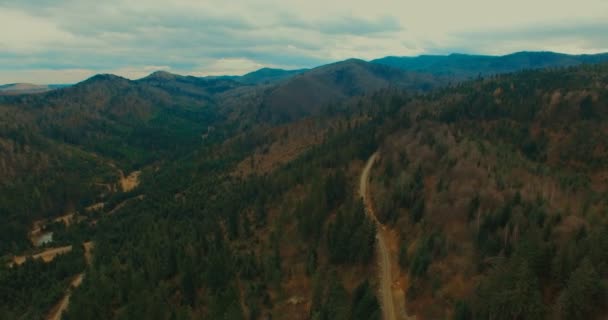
x=462, y=66
x=455, y=66
x=26, y=88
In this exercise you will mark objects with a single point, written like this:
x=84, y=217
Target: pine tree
x=581, y=295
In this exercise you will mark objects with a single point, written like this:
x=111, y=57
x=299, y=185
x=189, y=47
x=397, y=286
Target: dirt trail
x=88, y=247
x=62, y=305
x=387, y=299
x=386, y=295
x=124, y=203
x=50, y=254
x=46, y=255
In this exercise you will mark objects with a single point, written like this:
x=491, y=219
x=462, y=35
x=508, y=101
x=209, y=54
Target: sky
x=66, y=41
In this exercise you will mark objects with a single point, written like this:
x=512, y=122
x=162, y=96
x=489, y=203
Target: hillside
x=107, y=126
x=211, y=198
x=306, y=93
x=496, y=192
x=464, y=66
x=268, y=75
x=68, y=145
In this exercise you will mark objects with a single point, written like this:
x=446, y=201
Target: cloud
x=46, y=76
x=228, y=66
x=64, y=40
x=345, y=25
x=20, y=32
x=586, y=37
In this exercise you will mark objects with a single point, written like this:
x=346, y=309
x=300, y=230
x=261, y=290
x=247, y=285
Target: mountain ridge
x=465, y=66
x=436, y=64
x=495, y=185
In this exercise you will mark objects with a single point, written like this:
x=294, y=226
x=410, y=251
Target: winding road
x=386, y=294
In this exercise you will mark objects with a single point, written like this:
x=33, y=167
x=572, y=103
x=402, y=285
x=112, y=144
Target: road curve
x=57, y=311
x=386, y=294
x=62, y=305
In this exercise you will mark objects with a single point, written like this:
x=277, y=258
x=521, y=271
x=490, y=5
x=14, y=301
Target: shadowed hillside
x=268, y=75
x=306, y=93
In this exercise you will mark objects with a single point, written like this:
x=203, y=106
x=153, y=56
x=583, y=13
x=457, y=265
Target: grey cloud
x=344, y=25
x=591, y=34
x=355, y=26
x=115, y=34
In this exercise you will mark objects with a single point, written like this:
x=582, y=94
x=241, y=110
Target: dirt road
x=60, y=308
x=46, y=255
x=386, y=294
x=129, y=182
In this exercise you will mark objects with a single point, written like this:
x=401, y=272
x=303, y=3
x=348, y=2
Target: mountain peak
x=353, y=61
x=104, y=77
x=162, y=75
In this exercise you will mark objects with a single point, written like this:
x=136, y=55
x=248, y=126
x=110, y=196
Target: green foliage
x=204, y=242
x=351, y=237
x=330, y=301
x=403, y=258
x=473, y=207
x=462, y=311
x=510, y=291
x=405, y=194
x=30, y=290
x=365, y=305
x=333, y=301
x=426, y=249
x=583, y=294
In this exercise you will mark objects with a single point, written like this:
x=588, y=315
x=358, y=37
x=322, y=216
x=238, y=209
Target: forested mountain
x=267, y=75
x=490, y=194
x=306, y=93
x=497, y=191
x=61, y=149
x=463, y=66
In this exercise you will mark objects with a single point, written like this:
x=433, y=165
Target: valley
x=355, y=190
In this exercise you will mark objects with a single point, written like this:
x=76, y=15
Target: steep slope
x=307, y=93
x=107, y=124
x=144, y=115
x=462, y=66
x=268, y=75
x=497, y=190
x=60, y=150
x=195, y=87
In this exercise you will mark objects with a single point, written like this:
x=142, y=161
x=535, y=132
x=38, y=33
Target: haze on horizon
x=65, y=41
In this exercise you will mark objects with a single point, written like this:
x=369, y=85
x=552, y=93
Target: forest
x=493, y=192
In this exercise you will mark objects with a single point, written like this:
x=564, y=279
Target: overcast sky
x=65, y=41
